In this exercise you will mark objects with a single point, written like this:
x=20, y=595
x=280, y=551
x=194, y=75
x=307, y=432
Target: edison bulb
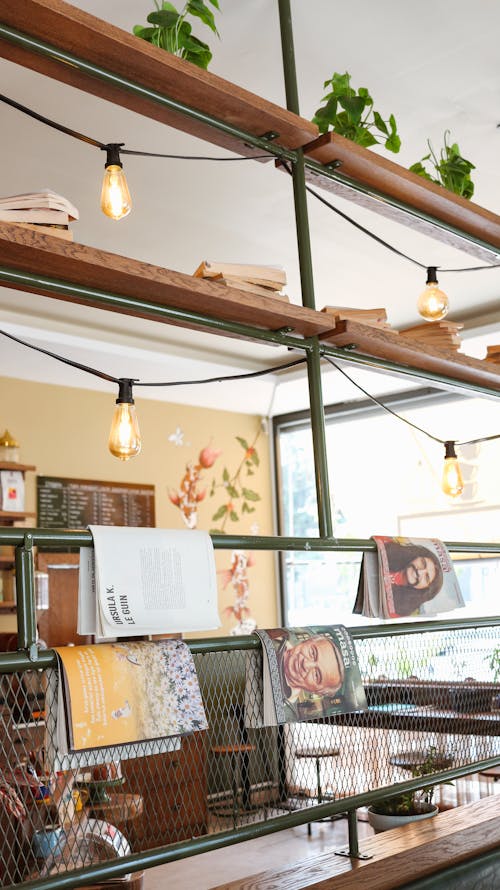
x=124, y=436
x=433, y=303
x=115, y=196
x=452, y=483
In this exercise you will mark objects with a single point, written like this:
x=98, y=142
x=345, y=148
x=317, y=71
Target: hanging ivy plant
x=451, y=170
x=171, y=31
x=351, y=114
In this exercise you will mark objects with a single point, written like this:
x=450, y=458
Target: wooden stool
x=317, y=754
x=238, y=755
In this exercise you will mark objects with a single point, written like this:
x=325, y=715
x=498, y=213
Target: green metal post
x=25, y=592
x=307, y=281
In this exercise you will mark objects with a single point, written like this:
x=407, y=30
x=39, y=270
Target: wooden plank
x=399, y=856
x=380, y=173
x=103, y=44
x=407, y=351
x=26, y=250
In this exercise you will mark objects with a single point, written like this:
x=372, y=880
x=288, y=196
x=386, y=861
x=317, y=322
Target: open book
x=407, y=577
x=307, y=673
x=113, y=700
x=139, y=581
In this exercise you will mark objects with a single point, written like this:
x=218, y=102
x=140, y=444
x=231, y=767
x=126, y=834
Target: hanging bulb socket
x=433, y=303
x=124, y=436
x=452, y=483
x=115, y=196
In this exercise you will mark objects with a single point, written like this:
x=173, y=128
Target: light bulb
x=452, y=483
x=433, y=303
x=124, y=436
x=115, y=196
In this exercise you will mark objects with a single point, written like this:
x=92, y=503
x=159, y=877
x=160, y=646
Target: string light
x=433, y=303
x=452, y=484
x=115, y=196
x=124, y=436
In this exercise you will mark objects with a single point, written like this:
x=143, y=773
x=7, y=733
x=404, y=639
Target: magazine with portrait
x=307, y=673
x=407, y=577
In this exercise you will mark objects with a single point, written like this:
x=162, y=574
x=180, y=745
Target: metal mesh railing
x=432, y=700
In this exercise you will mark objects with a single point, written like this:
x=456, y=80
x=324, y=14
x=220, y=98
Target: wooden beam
x=408, y=351
x=96, y=41
x=400, y=856
x=46, y=256
x=387, y=178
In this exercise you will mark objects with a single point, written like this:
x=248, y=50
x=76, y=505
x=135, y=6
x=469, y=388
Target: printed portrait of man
x=311, y=672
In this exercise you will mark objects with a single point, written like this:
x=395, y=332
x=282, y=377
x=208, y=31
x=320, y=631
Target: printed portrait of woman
x=415, y=573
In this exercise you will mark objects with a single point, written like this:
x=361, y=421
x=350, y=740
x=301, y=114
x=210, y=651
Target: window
x=385, y=478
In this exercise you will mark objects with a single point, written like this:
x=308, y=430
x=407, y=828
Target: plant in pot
x=409, y=806
x=451, y=170
x=351, y=114
x=170, y=30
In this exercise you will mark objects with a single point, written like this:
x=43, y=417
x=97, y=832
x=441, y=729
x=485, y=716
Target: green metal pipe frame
x=206, y=843
x=27, y=539
x=35, y=45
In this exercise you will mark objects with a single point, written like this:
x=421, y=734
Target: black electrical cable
x=219, y=379
x=381, y=241
x=404, y=419
x=125, y=151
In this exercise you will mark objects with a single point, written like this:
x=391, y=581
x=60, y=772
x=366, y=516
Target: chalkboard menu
x=76, y=503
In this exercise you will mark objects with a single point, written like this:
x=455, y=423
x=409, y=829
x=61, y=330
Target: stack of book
x=266, y=281
x=441, y=334
x=376, y=318
x=44, y=211
x=493, y=354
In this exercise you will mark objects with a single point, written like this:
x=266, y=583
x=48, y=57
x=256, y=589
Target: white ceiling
x=435, y=66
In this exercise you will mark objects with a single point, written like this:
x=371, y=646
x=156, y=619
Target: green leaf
x=250, y=472
x=215, y=3
x=234, y=516
x=354, y=105
x=250, y=495
x=245, y=508
x=198, y=8
x=393, y=143
x=220, y=513
x=225, y=474
x=217, y=531
x=201, y=59
x=232, y=491
x=243, y=442
x=144, y=33
x=380, y=123
x=254, y=457
x=164, y=18
x=364, y=137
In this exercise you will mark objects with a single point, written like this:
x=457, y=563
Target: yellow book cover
x=126, y=692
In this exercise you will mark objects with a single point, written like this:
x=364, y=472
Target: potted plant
x=170, y=30
x=351, y=114
x=409, y=806
x=450, y=169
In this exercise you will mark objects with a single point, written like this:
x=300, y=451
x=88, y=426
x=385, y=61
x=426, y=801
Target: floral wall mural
x=188, y=495
x=235, y=494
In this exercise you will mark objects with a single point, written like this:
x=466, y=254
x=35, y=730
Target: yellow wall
x=64, y=432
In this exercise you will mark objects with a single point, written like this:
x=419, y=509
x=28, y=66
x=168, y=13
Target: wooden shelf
x=47, y=256
x=7, y=606
x=12, y=465
x=96, y=41
x=7, y=517
x=390, y=179
x=405, y=351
